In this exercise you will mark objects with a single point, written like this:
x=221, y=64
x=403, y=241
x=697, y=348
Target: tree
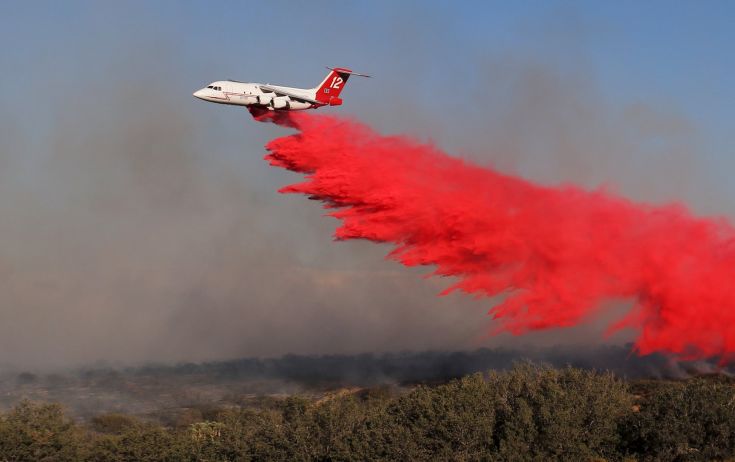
x=454, y=421
x=692, y=420
x=38, y=432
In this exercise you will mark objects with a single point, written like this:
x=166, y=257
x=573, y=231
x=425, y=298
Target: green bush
x=240, y=435
x=558, y=414
x=453, y=421
x=139, y=443
x=113, y=423
x=692, y=420
x=529, y=413
x=38, y=432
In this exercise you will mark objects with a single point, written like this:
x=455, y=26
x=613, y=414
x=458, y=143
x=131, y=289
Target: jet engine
x=265, y=99
x=296, y=105
x=280, y=102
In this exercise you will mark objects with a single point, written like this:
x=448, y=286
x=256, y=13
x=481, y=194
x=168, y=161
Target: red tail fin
x=332, y=85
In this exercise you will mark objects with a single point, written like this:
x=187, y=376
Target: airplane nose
x=198, y=94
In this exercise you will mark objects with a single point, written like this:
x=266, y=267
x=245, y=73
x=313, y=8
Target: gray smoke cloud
x=132, y=237
x=144, y=226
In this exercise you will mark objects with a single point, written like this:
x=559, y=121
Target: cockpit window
x=210, y=86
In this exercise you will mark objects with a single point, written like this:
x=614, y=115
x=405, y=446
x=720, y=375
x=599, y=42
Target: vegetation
x=528, y=413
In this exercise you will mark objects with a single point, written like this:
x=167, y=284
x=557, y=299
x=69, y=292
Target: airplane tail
x=329, y=90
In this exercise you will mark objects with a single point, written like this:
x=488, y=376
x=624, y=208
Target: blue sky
x=674, y=48
x=131, y=210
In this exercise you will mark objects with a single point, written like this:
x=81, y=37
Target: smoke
x=554, y=255
x=129, y=234
x=164, y=391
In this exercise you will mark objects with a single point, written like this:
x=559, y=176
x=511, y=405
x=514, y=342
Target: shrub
x=557, y=414
x=692, y=420
x=113, y=423
x=528, y=413
x=38, y=432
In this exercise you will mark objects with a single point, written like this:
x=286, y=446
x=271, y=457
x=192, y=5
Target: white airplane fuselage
x=251, y=94
x=278, y=98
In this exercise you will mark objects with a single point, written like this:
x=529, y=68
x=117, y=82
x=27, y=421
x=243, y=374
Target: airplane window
x=210, y=86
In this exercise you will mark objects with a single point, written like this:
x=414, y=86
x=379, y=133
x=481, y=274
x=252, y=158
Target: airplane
x=278, y=98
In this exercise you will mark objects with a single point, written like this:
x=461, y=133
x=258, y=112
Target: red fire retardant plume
x=555, y=253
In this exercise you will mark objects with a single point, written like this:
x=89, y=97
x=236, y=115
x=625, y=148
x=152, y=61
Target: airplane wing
x=295, y=96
